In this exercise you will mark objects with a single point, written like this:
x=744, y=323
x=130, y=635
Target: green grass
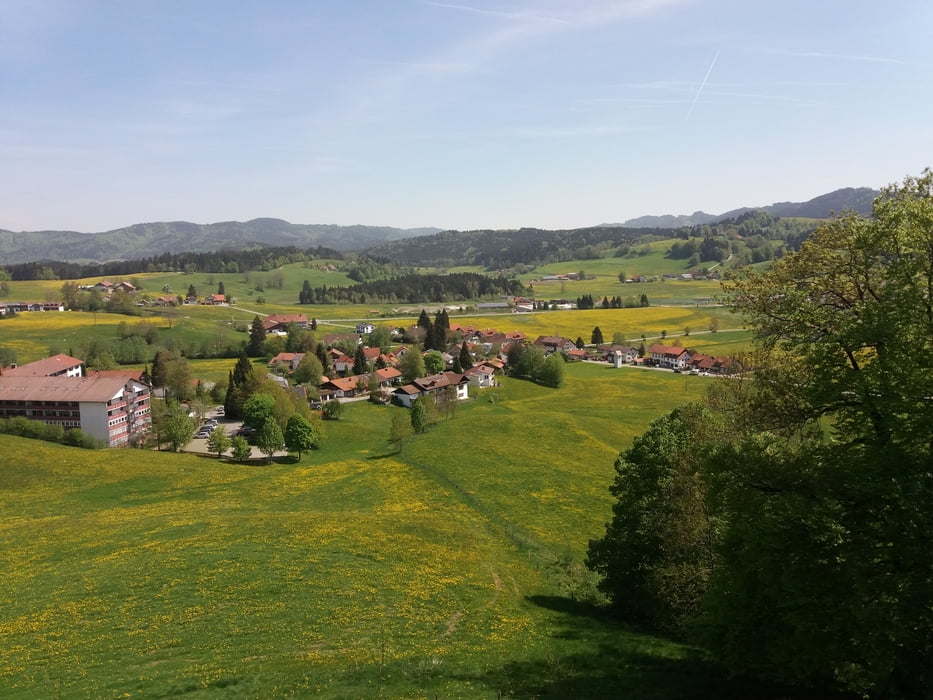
x=441, y=571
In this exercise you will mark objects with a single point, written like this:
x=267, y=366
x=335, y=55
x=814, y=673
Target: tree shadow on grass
x=594, y=656
x=386, y=455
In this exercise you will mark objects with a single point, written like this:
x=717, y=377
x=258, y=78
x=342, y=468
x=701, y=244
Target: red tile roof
x=44, y=367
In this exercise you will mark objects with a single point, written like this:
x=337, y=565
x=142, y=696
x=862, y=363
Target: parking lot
x=231, y=427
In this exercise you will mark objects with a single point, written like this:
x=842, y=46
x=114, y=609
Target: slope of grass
x=355, y=573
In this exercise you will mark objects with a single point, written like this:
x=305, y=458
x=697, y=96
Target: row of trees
x=413, y=288
x=786, y=523
x=586, y=301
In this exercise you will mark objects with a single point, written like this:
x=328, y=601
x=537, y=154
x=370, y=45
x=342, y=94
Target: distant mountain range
x=857, y=199
x=146, y=240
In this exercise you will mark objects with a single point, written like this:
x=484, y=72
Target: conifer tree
x=257, y=336
x=466, y=361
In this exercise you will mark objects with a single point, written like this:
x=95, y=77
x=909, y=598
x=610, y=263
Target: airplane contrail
x=702, y=85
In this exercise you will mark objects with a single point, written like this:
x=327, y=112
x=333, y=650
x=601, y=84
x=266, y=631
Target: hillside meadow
x=450, y=569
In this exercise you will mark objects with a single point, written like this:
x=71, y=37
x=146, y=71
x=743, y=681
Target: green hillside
x=450, y=569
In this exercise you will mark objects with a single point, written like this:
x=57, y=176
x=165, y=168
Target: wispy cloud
x=571, y=131
x=430, y=66
x=505, y=14
x=702, y=85
x=862, y=58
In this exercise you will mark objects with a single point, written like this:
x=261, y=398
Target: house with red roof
x=668, y=356
x=55, y=366
x=433, y=385
x=277, y=324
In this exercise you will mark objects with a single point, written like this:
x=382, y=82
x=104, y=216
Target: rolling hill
x=857, y=199
x=150, y=239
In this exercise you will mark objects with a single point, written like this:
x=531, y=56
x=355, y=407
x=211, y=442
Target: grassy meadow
x=449, y=569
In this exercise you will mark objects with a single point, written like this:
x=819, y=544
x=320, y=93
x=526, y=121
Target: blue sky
x=474, y=114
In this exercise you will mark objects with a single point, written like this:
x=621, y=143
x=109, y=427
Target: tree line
x=413, y=289
x=255, y=258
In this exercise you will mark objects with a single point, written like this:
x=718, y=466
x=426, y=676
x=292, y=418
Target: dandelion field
x=446, y=570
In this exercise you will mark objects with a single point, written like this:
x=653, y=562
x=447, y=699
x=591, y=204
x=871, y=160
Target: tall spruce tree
x=466, y=360
x=359, y=361
x=257, y=336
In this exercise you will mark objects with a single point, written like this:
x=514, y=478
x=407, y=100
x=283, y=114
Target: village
x=114, y=406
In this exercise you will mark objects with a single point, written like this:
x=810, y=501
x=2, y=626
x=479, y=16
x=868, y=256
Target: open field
x=443, y=570
x=630, y=322
x=31, y=335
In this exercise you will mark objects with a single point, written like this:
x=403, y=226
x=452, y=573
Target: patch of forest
x=415, y=289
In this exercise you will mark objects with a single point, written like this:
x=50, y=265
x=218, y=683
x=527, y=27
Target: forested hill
x=500, y=250
x=154, y=239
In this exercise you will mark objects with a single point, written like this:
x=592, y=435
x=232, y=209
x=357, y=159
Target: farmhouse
x=277, y=324
x=365, y=327
x=669, y=357
x=286, y=360
x=481, y=376
x=577, y=355
x=707, y=364
x=551, y=344
x=112, y=407
x=433, y=385
x=620, y=354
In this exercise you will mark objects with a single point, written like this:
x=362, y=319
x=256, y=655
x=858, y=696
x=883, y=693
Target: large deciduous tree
x=551, y=372
x=269, y=438
x=656, y=556
x=257, y=409
x=819, y=481
x=829, y=500
x=309, y=370
x=175, y=426
x=218, y=441
x=300, y=434
x=411, y=365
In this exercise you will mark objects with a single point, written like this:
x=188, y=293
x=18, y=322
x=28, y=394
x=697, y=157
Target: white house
x=365, y=328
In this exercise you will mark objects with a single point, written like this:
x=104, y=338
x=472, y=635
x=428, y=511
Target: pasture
x=451, y=569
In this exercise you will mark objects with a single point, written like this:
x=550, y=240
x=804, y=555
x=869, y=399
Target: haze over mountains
x=855, y=198
x=151, y=239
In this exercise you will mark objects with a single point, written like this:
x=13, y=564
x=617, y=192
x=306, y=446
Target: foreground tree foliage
x=817, y=485
x=656, y=558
